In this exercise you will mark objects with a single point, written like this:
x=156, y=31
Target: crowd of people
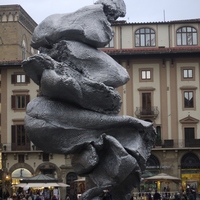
x=188, y=194
x=28, y=195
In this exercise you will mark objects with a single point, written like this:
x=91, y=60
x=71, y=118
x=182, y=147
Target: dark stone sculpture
x=76, y=112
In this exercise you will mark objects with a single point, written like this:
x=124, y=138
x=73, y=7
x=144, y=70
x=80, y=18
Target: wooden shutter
x=27, y=79
x=13, y=104
x=13, y=128
x=13, y=78
x=27, y=99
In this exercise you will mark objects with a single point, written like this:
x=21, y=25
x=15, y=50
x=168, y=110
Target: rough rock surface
x=113, y=8
x=88, y=25
x=77, y=110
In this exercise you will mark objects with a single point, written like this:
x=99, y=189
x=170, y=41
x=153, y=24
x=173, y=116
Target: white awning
x=39, y=185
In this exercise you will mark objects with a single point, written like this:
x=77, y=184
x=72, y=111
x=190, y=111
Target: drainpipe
x=120, y=38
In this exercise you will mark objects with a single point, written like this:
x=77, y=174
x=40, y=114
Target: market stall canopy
x=40, y=185
x=39, y=181
x=163, y=177
x=80, y=180
x=39, y=178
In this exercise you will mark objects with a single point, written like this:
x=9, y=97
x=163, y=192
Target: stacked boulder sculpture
x=77, y=109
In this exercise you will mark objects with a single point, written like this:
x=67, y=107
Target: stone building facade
x=163, y=61
x=19, y=157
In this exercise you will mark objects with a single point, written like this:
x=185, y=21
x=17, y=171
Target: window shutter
x=27, y=99
x=13, y=78
x=27, y=79
x=13, y=134
x=13, y=102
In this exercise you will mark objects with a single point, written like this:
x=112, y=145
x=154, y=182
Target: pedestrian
x=156, y=195
x=67, y=197
x=14, y=196
x=54, y=197
x=38, y=197
x=149, y=195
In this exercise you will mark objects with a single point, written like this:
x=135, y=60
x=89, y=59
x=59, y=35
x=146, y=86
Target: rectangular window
x=19, y=139
x=189, y=136
x=146, y=74
x=19, y=101
x=45, y=156
x=19, y=79
x=146, y=104
x=188, y=73
x=188, y=99
x=20, y=158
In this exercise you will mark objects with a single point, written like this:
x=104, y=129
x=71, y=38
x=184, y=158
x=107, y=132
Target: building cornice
x=13, y=63
x=184, y=21
x=153, y=50
x=15, y=13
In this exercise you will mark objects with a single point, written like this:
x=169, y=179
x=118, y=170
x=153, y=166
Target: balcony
x=192, y=143
x=151, y=112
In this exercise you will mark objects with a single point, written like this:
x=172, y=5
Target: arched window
x=186, y=36
x=153, y=162
x=190, y=160
x=145, y=37
x=10, y=17
x=152, y=167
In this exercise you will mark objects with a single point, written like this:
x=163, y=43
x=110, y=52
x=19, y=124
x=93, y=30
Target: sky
x=137, y=10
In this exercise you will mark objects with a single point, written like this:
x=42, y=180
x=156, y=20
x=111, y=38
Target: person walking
x=156, y=195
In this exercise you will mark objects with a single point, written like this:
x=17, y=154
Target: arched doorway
x=190, y=171
x=19, y=174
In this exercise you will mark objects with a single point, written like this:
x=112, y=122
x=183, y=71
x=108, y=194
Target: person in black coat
x=156, y=196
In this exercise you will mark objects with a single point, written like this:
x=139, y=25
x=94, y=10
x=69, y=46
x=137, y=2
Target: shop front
x=190, y=172
x=191, y=178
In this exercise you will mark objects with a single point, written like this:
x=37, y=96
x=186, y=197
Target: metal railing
x=164, y=195
x=151, y=112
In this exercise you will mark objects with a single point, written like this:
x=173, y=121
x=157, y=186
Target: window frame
x=185, y=35
x=188, y=89
x=18, y=135
x=146, y=90
x=15, y=101
x=15, y=76
x=189, y=94
x=187, y=78
x=141, y=70
x=145, y=34
x=21, y=158
x=45, y=157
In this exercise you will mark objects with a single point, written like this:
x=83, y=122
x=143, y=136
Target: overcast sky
x=137, y=10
